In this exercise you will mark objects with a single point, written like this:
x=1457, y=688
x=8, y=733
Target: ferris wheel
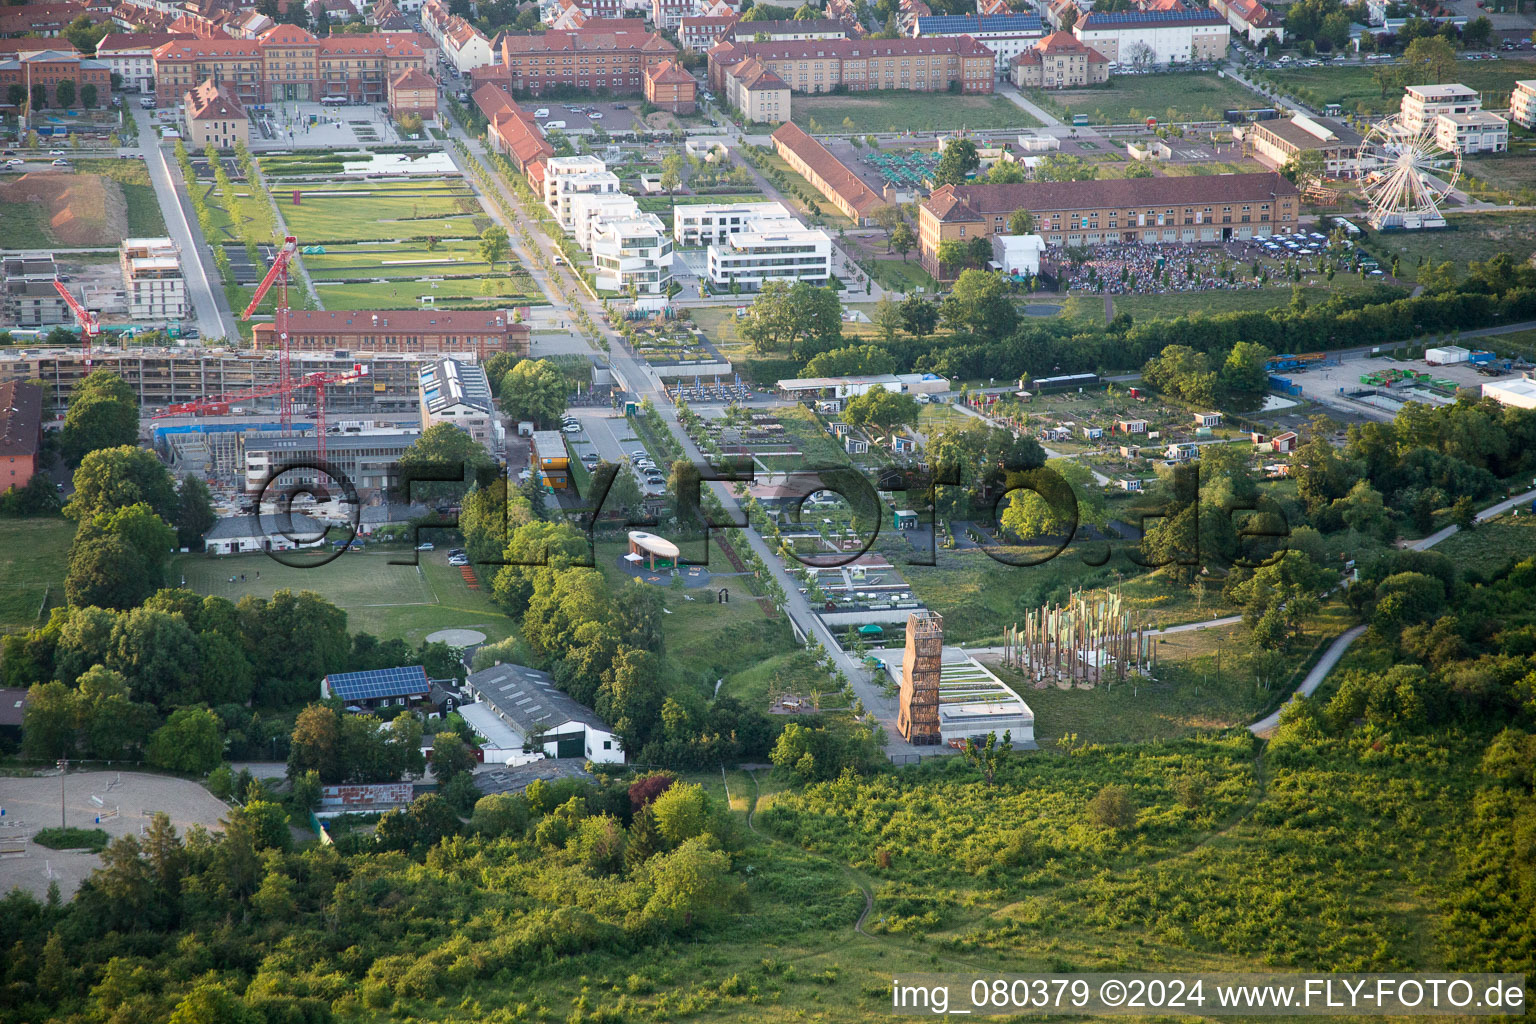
x=1406, y=174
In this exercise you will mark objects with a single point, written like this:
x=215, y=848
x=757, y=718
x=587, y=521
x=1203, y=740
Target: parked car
x=55, y=152
x=61, y=163
x=458, y=560
x=572, y=428
x=541, y=112
x=427, y=546
x=13, y=162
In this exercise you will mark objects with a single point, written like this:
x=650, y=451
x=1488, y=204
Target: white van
x=551, y=125
x=541, y=112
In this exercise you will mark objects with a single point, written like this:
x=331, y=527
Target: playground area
x=118, y=803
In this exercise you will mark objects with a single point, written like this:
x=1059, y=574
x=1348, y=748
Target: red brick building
x=46, y=68
x=21, y=432
x=604, y=54
x=668, y=87
x=511, y=131
x=287, y=63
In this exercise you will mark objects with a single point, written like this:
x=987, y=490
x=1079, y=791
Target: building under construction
x=163, y=376
x=921, y=667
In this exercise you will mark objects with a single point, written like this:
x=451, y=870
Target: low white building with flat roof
x=698, y=225
x=770, y=247
x=1519, y=393
x=1481, y=131
x=973, y=701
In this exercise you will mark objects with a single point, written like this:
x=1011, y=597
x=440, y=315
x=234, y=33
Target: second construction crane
x=90, y=323
x=287, y=384
x=279, y=274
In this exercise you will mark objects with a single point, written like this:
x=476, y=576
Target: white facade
x=770, y=248
x=568, y=176
x=1421, y=104
x=1136, y=42
x=694, y=226
x=1481, y=131
x=1522, y=103
x=588, y=208
x=134, y=64
x=1006, y=35
x=1018, y=254
x=152, y=280
x=632, y=253
x=467, y=50
x=1519, y=393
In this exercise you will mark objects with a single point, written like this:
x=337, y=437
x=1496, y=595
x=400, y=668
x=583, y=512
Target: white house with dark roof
x=528, y=702
x=234, y=535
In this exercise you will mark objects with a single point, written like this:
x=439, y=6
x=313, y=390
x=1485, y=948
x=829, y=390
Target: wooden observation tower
x=918, y=718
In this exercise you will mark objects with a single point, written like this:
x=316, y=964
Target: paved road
x=214, y=319
x=1034, y=110
x=565, y=294
x=1336, y=650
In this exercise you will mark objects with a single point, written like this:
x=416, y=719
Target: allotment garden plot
x=398, y=245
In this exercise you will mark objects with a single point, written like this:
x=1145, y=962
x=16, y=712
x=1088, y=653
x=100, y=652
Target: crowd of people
x=1135, y=268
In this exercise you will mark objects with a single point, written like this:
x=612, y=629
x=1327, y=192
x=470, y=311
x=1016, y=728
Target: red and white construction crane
x=218, y=405
x=279, y=274
x=90, y=323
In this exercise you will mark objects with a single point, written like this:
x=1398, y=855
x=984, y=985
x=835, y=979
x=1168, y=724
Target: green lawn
x=34, y=556
x=1358, y=91
x=24, y=225
x=385, y=213
x=406, y=294
x=1176, y=96
x=891, y=110
x=902, y=275
x=1469, y=236
x=144, y=216
x=379, y=598
x=706, y=641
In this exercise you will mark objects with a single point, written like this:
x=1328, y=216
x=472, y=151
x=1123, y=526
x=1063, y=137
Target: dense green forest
x=1389, y=824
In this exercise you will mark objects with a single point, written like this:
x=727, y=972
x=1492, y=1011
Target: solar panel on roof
x=376, y=683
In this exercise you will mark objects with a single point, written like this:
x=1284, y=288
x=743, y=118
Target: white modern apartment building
x=457, y=391
x=568, y=176
x=1480, y=131
x=697, y=226
x=152, y=279
x=1421, y=104
x=770, y=248
x=589, y=208
x=1522, y=103
x=131, y=56
x=632, y=253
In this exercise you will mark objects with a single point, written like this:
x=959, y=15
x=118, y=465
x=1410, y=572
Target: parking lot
x=581, y=116
x=1339, y=387
x=610, y=439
